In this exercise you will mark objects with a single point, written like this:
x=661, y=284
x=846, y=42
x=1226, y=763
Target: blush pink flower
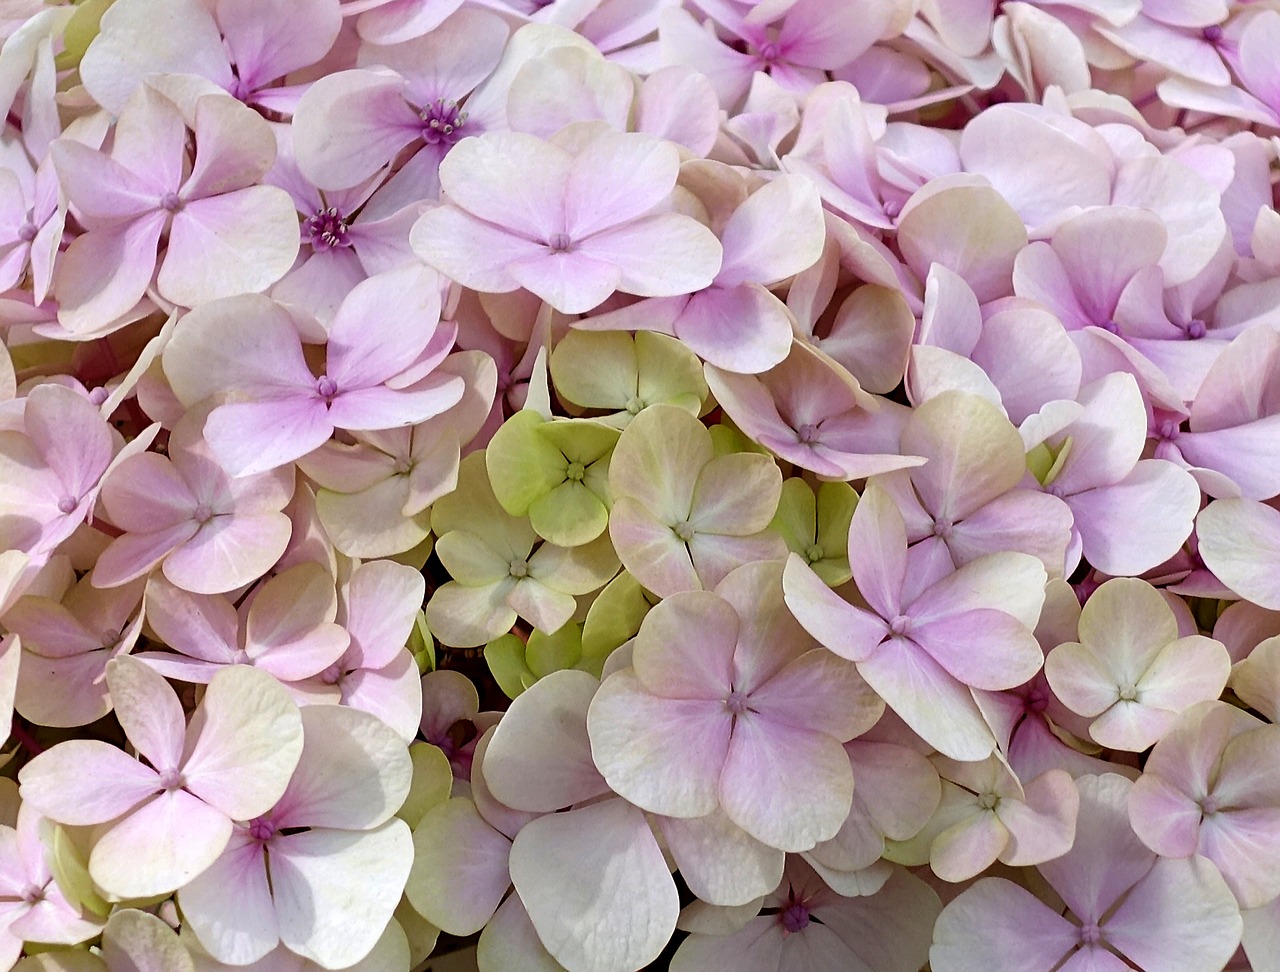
x=1159, y=914
x=971, y=629
x=208, y=532
x=769, y=711
x=171, y=819
x=378, y=370
x=572, y=228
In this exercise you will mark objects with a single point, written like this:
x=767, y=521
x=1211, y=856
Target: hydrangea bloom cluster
x=771, y=485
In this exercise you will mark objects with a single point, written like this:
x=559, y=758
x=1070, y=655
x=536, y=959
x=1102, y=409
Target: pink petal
x=573, y=282
x=651, y=550
x=509, y=179
x=105, y=272
x=821, y=692
x=369, y=340
x=85, y=781
x=461, y=870
x=390, y=692
x=149, y=712
x=1043, y=826
x=996, y=924
x=985, y=648
x=135, y=554
x=1240, y=543
x=254, y=437
x=632, y=732
x=848, y=631
x=386, y=408
x=670, y=664
x=878, y=551
x=471, y=251
x=661, y=255
x=722, y=863
x=228, y=906
x=382, y=600
x=616, y=179
x=228, y=552
x=159, y=847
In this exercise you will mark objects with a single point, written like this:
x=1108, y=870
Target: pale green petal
x=575, y=570
x=471, y=561
x=547, y=653
x=570, y=515
x=657, y=461
x=467, y=617
x=614, y=617
x=523, y=464
x=796, y=520
x=579, y=440
x=432, y=782
x=736, y=495
x=595, y=369
x=474, y=508
x=669, y=372
x=505, y=657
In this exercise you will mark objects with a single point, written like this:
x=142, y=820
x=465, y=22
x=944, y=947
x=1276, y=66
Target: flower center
x=1210, y=805
x=203, y=514
x=326, y=229
x=988, y=801
x=67, y=504
x=942, y=529
x=575, y=472
x=261, y=828
x=795, y=918
x=442, y=122
x=170, y=202
x=32, y=894
x=1090, y=934
x=634, y=405
x=1111, y=326
x=1195, y=330
x=807, y=433
x=519, y=568
x=331, y=675
x=171, y=780
x=769, y=52
x=326, y=387
x=27, y=232
x=559, y=243
x=1037, y=700
x=1128, y=692
x=684, y=530
x=736, y=702
x=403, y=465
x=1168, y=430
x=813, y=553
x=900, y=625
x=1212, y=33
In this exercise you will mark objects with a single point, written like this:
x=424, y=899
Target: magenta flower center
x=1037, y=700
x=442, y=122
x=769, y=52
x=1090, y=934
x=262, y=829
x=1212, y=33
x=331, y=675
x=326, y=387
x=1111, y=326
x=942, y=529
x=67, y=504
x=326, y=229
x=1210, y=805
x=203, y=514
x=795, y=918
x=1195, y=329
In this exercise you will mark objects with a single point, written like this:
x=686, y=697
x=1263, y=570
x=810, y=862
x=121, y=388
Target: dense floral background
x=784, y=486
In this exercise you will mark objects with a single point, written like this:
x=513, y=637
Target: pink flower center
x=1195, y=329
x=942, y=529
x=171, y=780
x=1168, y=430
x=769, y=52
x=1037, y=700
x=32, y=894
x=67, y=504
x=795, y=918
x=326, y=229
x=1212, y=33
x=99, y=395
x=331, y=675
x=736, y=703
x=170, y=202
x=203, y=514
x=262, y=828
x=900, y=625
x=1111, y=326
x=326, y=387
x=559, y=243
x=1090, y=934
x=27, y=232
x=1210, y=805
x=442, y=122
x=807, y=433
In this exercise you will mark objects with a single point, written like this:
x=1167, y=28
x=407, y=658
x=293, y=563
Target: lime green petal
x=505, y=657
x=836, y=503
x=579, y=440
x=421, y=645
x=614, y=617
x=471, y=561
x=69, y=863
x=80, y=31
x=595, y=369
x=474, y=508
x=547, y=653
x=523, y=465
x=431, y=785
x=833, y=572
x=668, y=370
x=569, y=516
x=575, y=570
x=796, y=519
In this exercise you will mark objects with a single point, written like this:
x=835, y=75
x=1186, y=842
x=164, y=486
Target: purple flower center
x=807, y=433
x=770, y=52
x=1111, y=326
x=203, y=513
x=326, y=229
x=67, y=504
x=1210, y=805
x=1090, y=934
x=32, y=894
x=170, y=202
x=442, y=122
x=331, y=675
x=1195, y=330
x=1168, y=430
x=27, y=232
x=171, y=780
x=900, y=625
x=559, y=243
x=1212, y=33
x=1037, y=700
x=942, y=529
x=736, y=702
x=891, y=208
x=262, y=828
x=326, y=387
x=99, y=395
x=795, y=918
